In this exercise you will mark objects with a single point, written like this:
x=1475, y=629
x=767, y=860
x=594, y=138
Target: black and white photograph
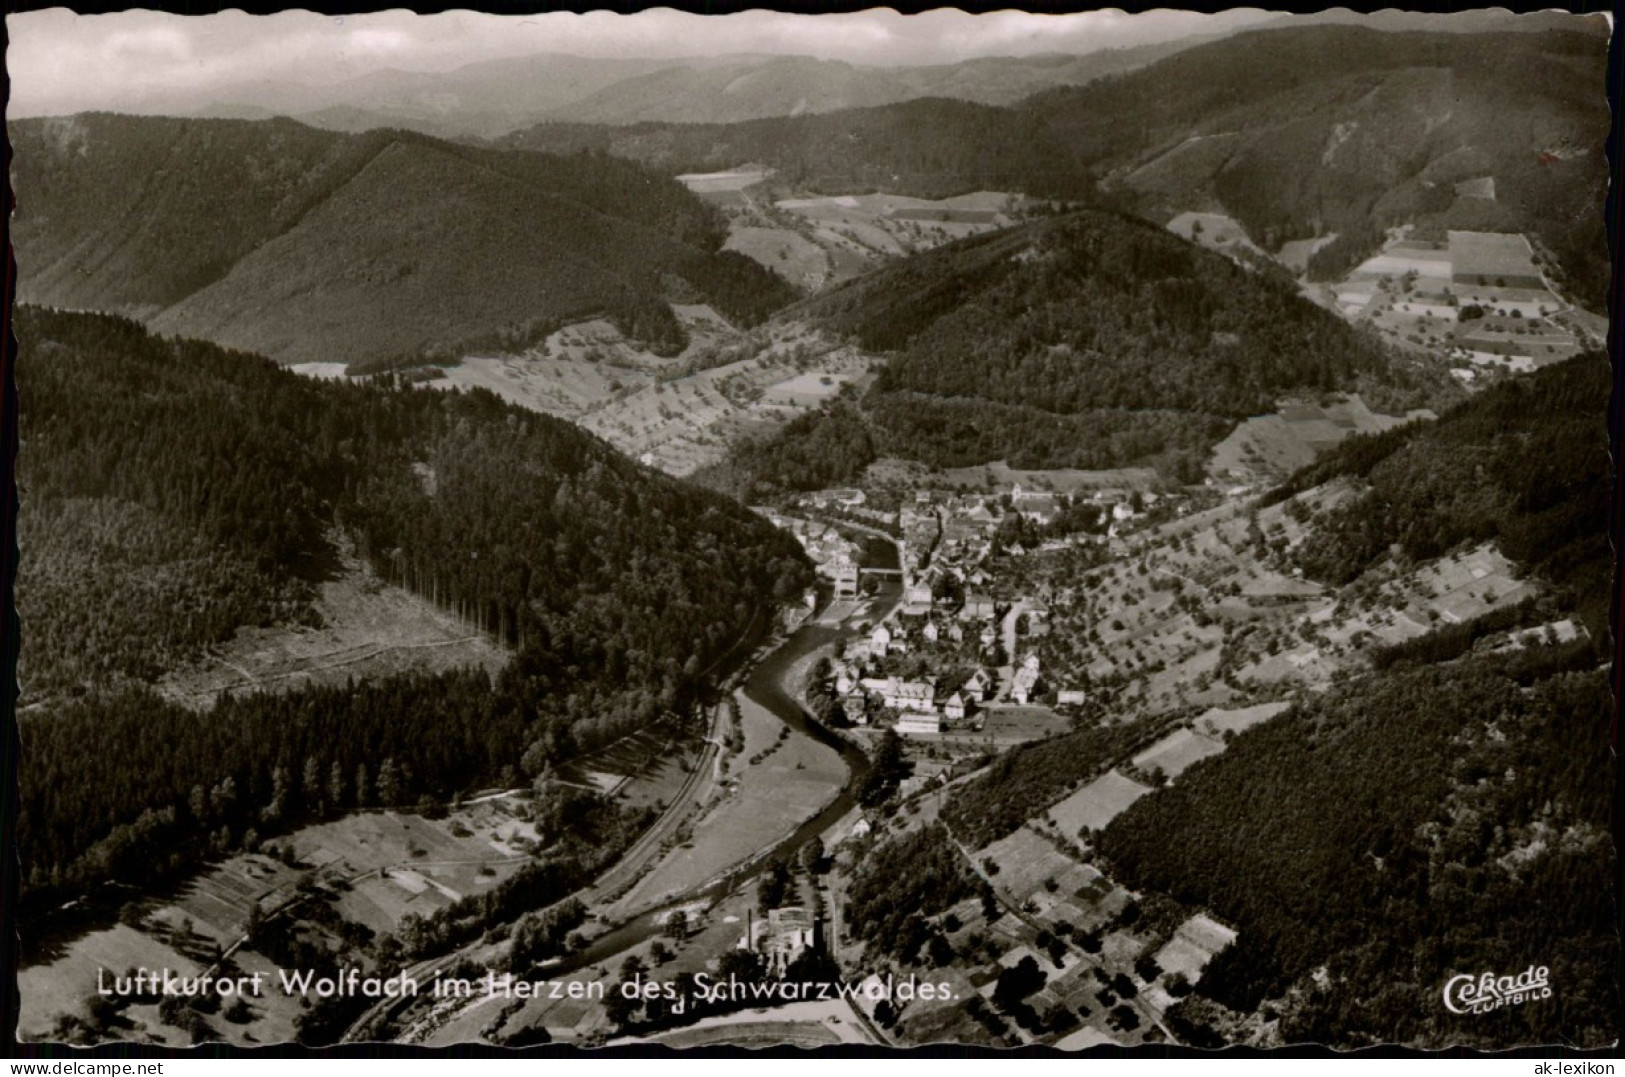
x=1055, y=533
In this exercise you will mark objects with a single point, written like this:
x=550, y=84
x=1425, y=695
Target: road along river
x=767, y=687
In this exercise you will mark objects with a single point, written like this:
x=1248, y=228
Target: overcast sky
x=63, y=62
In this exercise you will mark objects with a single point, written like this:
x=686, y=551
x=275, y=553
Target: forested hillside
x=1466, y=815
x=1343, y=129
x=1459, y=798
x=1296, y=132
x=306, y=245
x=1525, y=464
x=1091, y=340
x=928, y=148
x=175, y=490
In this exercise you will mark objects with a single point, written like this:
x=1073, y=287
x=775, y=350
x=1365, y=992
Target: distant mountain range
x=311, y=245
x=1297, y=132
x=800, y=85
x=495, y=97
x=306, y=245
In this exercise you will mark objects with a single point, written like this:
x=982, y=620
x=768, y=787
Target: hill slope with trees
x=176, y=490
x=307, y=245
x=1466, y=813
x=1091, y=340
x=1525, y=464
x=1296, y=132
x=1459, y=798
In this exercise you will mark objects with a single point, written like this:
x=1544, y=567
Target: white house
x=919, y=724
x=902, y=695
x=782, y=937
x=1025, y=686
x=978, y=685
x=954, y=709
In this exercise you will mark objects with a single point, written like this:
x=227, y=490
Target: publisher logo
x=1487, y=992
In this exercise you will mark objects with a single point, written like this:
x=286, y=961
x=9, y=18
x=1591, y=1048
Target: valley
x=1117, y=543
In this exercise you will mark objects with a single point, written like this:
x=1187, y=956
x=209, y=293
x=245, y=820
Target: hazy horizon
x=61, y=62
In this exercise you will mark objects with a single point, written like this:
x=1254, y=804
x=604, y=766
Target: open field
x=1178, y=750
x=1493, y=258
x=1217, y=722
x=1215, y=232
x=1028, y=862
x=1097, y=803
x=320, y=371
x=1295, y=253
x=64, y=986
x=788, y=253
x=1193, y=946
x=806, y=390
x=368, y=629
x=1276, y=445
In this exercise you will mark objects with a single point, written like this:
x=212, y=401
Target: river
x=765, y=686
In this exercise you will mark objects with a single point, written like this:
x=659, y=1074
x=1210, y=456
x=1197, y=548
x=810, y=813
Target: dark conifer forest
x=1090, y=340
x=175, y=491
x=1465, y=814
x=1525, y=464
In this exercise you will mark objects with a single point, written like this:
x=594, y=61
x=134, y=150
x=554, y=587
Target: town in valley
x=884, y=555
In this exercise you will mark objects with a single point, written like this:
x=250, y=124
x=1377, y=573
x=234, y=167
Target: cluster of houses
x=947, y=599
x=849, y=502
x=919, y=706
x=834, y=555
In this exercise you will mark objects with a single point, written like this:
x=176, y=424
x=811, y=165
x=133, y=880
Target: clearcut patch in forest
x=367, y=629
x=1275, y=445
